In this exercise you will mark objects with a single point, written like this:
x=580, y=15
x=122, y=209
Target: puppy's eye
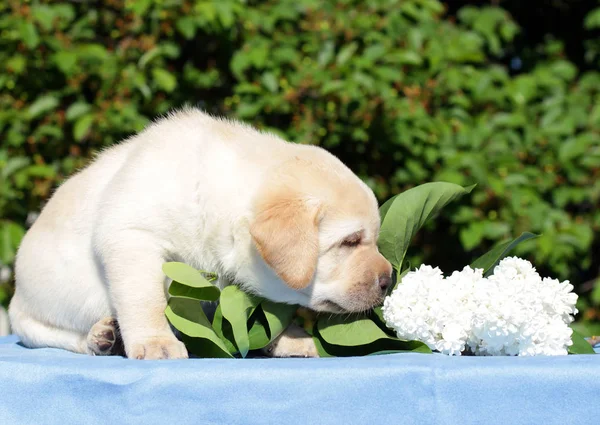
x=352, y=240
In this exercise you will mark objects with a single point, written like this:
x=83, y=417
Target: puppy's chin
x=331, y=306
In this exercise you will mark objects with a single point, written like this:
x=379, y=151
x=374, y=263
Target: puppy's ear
x=285, y=232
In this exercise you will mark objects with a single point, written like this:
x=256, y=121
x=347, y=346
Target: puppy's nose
x=385, y=280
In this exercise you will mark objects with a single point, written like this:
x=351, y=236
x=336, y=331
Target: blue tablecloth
x=50, y=386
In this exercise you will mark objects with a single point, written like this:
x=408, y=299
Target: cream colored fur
x=271, y=216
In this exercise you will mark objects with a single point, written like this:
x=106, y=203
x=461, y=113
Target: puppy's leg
x=293, y=342
x=104, y=339
x=133, y=262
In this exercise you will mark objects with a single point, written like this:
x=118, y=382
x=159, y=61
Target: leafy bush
x=402, y=92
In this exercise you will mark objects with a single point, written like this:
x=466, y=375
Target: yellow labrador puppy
x=286, y=221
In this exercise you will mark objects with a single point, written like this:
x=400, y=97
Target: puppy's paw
x=104, y=339
x=157, y=348
x=293, y=342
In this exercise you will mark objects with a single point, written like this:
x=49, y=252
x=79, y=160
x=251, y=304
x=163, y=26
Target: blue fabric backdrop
x=50, y=386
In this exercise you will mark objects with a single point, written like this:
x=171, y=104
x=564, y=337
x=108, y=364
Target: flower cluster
x=512, y=312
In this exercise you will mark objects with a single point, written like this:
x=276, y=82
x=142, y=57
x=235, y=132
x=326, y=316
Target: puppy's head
x=316, y=226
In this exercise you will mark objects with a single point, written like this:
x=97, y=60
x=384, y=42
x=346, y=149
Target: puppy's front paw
x=157, y=348
x=293, y=342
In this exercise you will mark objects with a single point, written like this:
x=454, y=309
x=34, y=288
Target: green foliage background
x=404, y=92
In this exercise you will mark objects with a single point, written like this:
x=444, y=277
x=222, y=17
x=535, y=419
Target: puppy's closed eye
x=352, y=240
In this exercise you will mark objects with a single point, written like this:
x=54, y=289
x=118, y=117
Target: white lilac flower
x=513, y=312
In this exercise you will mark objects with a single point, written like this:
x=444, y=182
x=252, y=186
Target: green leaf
x=76, y=110
x=223, y=329
x=45, y=171
x=410, y=58
x=318, y=340
x=586, y=328
x=44, y=15
x=201, y=347
x=29, y=34
x=139, y=7
x=580, y=345
x=82, y=126
x=374, y=52
x=139, y=81
x=187, y=316
x=10, y=238
x=65, y=61
x=378, y=311
x=225, y=12
x=16, y=64
x=149, y=56
x=385, y=207
x=270, y=81
x=13, y=165
x=592, y=19
x=164, y=79
x=249, y=110
x=349, y=332
x=237, y=307
x=332, y=86
x=258, y=335
x=341, y=338
x=279, y=316
x=377, y=316
x=42, y=105
x=93, y=53
x=239, y=63
x=200, y=287
x=326, y=53
x=595, y=295
x=488, y=261
x=176, y=289
x=346, y=53
x=186, y=25
x=407, y=213
x=472, y=235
